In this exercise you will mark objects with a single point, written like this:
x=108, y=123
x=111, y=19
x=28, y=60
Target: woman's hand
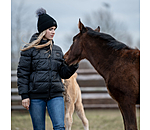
x=26, y=103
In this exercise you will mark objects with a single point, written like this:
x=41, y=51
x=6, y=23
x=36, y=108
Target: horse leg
x=128, y=111
x=68, y=115
x=80, y=112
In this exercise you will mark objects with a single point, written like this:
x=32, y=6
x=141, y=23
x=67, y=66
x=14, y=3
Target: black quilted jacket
x=39, y=76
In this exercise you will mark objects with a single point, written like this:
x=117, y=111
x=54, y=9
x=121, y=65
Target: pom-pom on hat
x=44, y=20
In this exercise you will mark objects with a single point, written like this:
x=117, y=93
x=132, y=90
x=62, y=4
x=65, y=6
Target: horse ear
x=97, y=29
x=81, y=27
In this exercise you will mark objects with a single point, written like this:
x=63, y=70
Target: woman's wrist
x=24, y=96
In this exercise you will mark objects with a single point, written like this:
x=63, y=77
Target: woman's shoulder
x=27, y=52
x=34, y=37
x=57, y=48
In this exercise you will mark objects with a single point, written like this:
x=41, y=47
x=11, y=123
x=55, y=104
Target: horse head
x=76, y=51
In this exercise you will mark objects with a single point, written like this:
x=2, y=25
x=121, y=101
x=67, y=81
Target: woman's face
x=50, y=32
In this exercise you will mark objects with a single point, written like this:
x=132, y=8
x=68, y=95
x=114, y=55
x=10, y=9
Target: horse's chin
x=73, y=62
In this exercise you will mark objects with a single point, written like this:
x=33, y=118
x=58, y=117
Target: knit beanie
x=44, y=20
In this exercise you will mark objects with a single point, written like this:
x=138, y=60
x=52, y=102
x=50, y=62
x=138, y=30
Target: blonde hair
x=37, y=41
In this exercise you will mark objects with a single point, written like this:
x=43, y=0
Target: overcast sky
x=68, y=12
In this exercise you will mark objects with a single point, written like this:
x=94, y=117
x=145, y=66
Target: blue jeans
x=55, y=109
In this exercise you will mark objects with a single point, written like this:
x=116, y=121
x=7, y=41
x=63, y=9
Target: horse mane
x=110, y=41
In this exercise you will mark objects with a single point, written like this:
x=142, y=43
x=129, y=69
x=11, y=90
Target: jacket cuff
x=76, y=65
x=73, y=68
x=24, y=96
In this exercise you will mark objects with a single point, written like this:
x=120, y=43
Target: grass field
x=98, y=120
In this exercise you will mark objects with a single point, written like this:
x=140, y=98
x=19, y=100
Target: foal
x=116, y=62
x=73, y=101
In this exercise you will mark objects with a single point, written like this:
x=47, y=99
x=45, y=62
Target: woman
x=39, y=72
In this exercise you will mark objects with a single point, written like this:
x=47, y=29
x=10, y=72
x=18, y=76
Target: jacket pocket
x=30, y=87
x=57, y=87
x=40, y=87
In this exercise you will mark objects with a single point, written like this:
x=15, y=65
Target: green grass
x=98, y=120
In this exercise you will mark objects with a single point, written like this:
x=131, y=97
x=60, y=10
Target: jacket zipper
x=50, y=75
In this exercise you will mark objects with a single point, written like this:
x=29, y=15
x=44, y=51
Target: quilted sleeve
x=23, y=73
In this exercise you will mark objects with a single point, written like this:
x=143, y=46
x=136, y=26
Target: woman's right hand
x=26, y=103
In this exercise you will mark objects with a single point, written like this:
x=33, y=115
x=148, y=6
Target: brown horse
x=116, y=62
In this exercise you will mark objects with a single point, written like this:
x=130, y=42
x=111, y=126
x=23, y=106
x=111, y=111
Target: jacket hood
x=34, y=37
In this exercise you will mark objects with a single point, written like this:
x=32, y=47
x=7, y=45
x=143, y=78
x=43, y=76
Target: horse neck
x=99, y=58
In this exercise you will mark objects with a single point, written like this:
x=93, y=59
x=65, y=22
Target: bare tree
x=108, y=24
x=20, y=29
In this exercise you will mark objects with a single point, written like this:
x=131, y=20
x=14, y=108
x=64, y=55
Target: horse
x=73, y=101
x=116, y=62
